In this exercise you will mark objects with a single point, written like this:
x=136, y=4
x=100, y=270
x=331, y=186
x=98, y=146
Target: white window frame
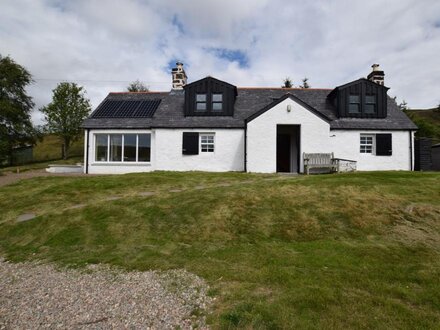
x=201, y=144
x=372, y=144
x=108, y=161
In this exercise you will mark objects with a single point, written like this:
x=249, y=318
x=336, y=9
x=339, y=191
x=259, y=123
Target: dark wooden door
x=283, y=153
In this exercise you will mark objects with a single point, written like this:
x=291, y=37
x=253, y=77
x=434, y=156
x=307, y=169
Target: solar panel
x=147, y=109
x=127, y=109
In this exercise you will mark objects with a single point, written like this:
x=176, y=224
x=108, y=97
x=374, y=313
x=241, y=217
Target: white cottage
x=211, y=125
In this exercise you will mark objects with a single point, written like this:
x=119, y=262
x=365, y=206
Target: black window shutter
x=190, y=144
x=384, y=145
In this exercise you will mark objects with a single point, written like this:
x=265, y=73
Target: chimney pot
x=376, y=75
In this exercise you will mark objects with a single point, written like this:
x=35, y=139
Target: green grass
x=331, y=251
x=49, y=148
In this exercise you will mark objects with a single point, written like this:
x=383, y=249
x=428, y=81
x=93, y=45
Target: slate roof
x=170, y=113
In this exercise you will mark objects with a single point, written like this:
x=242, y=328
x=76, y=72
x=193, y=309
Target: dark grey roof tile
x=170, y=114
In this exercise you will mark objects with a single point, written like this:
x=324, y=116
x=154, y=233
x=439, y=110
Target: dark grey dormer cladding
x=209, y=97
x=360, y=99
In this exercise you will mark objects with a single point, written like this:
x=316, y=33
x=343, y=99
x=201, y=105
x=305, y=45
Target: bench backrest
x=318, y=158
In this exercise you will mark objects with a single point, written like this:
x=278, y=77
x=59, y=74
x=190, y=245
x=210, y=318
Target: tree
x=15, y=107
x=403, y=105
x=305, y=83
x=65, y=114
x=137, y=86
x=287, y=83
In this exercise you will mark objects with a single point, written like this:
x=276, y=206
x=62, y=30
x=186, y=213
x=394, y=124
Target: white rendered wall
x=346, y=144
x=228, y=154
x=262, y=135
x=166, y=152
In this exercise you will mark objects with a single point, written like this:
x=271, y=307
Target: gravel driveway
x=99, y=297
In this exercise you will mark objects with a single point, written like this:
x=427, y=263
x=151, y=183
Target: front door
x=283, y=152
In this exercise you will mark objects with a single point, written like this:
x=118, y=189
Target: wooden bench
x=319, y=160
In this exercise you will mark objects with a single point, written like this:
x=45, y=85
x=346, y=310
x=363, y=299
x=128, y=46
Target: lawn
x=355, y=250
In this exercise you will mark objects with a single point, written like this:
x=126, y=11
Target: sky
x=103, y=45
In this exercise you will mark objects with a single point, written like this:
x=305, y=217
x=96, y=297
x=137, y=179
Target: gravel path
x=99, y=297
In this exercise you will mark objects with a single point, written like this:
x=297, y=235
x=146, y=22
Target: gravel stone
x=99, y=297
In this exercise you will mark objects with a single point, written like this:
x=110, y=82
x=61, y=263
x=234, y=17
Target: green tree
x=305, y=83
x=65, y=114
x=137, y=86
x=15, y=108
x=403, y=105
x=287, y=83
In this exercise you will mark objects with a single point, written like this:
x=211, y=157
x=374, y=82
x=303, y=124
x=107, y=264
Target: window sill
x=121, y=164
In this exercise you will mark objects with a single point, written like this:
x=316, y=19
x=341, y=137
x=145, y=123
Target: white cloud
x=105, y=44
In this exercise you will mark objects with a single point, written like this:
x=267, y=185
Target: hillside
x=428, y=122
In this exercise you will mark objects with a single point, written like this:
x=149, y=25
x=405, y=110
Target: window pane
x=217, y=97
x=354, y=99
x=115, y=147
x=207, y=143
x=370, y=108
x=101, y=148
x=370, y=99
x=217, y=106
x=354, y=108
x=201, y=106
x=129, y=147
x=201, y=97
x=144, y=147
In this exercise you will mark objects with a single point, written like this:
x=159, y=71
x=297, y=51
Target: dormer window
x=209, y=97
x=370, y=104
x=217, y=102
x=355, y=104
x=201, y=102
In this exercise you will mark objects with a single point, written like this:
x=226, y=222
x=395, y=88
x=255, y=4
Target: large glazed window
x=130, y=147
x=101, y=152
x=115, y=147
x=120, y=148
x=144, y=147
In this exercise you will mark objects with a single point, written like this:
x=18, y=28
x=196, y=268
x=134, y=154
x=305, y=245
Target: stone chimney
x=377, y=75
x=179, y=76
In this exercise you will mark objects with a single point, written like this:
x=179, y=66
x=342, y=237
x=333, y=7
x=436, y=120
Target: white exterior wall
x=262, y=135
x=346, y=144
x=166, y=152
x=316, y=137
x=228, y=152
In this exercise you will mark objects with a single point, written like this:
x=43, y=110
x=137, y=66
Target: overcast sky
x=105, y=44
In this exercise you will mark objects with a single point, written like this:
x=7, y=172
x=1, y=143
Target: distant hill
x=428, y=121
